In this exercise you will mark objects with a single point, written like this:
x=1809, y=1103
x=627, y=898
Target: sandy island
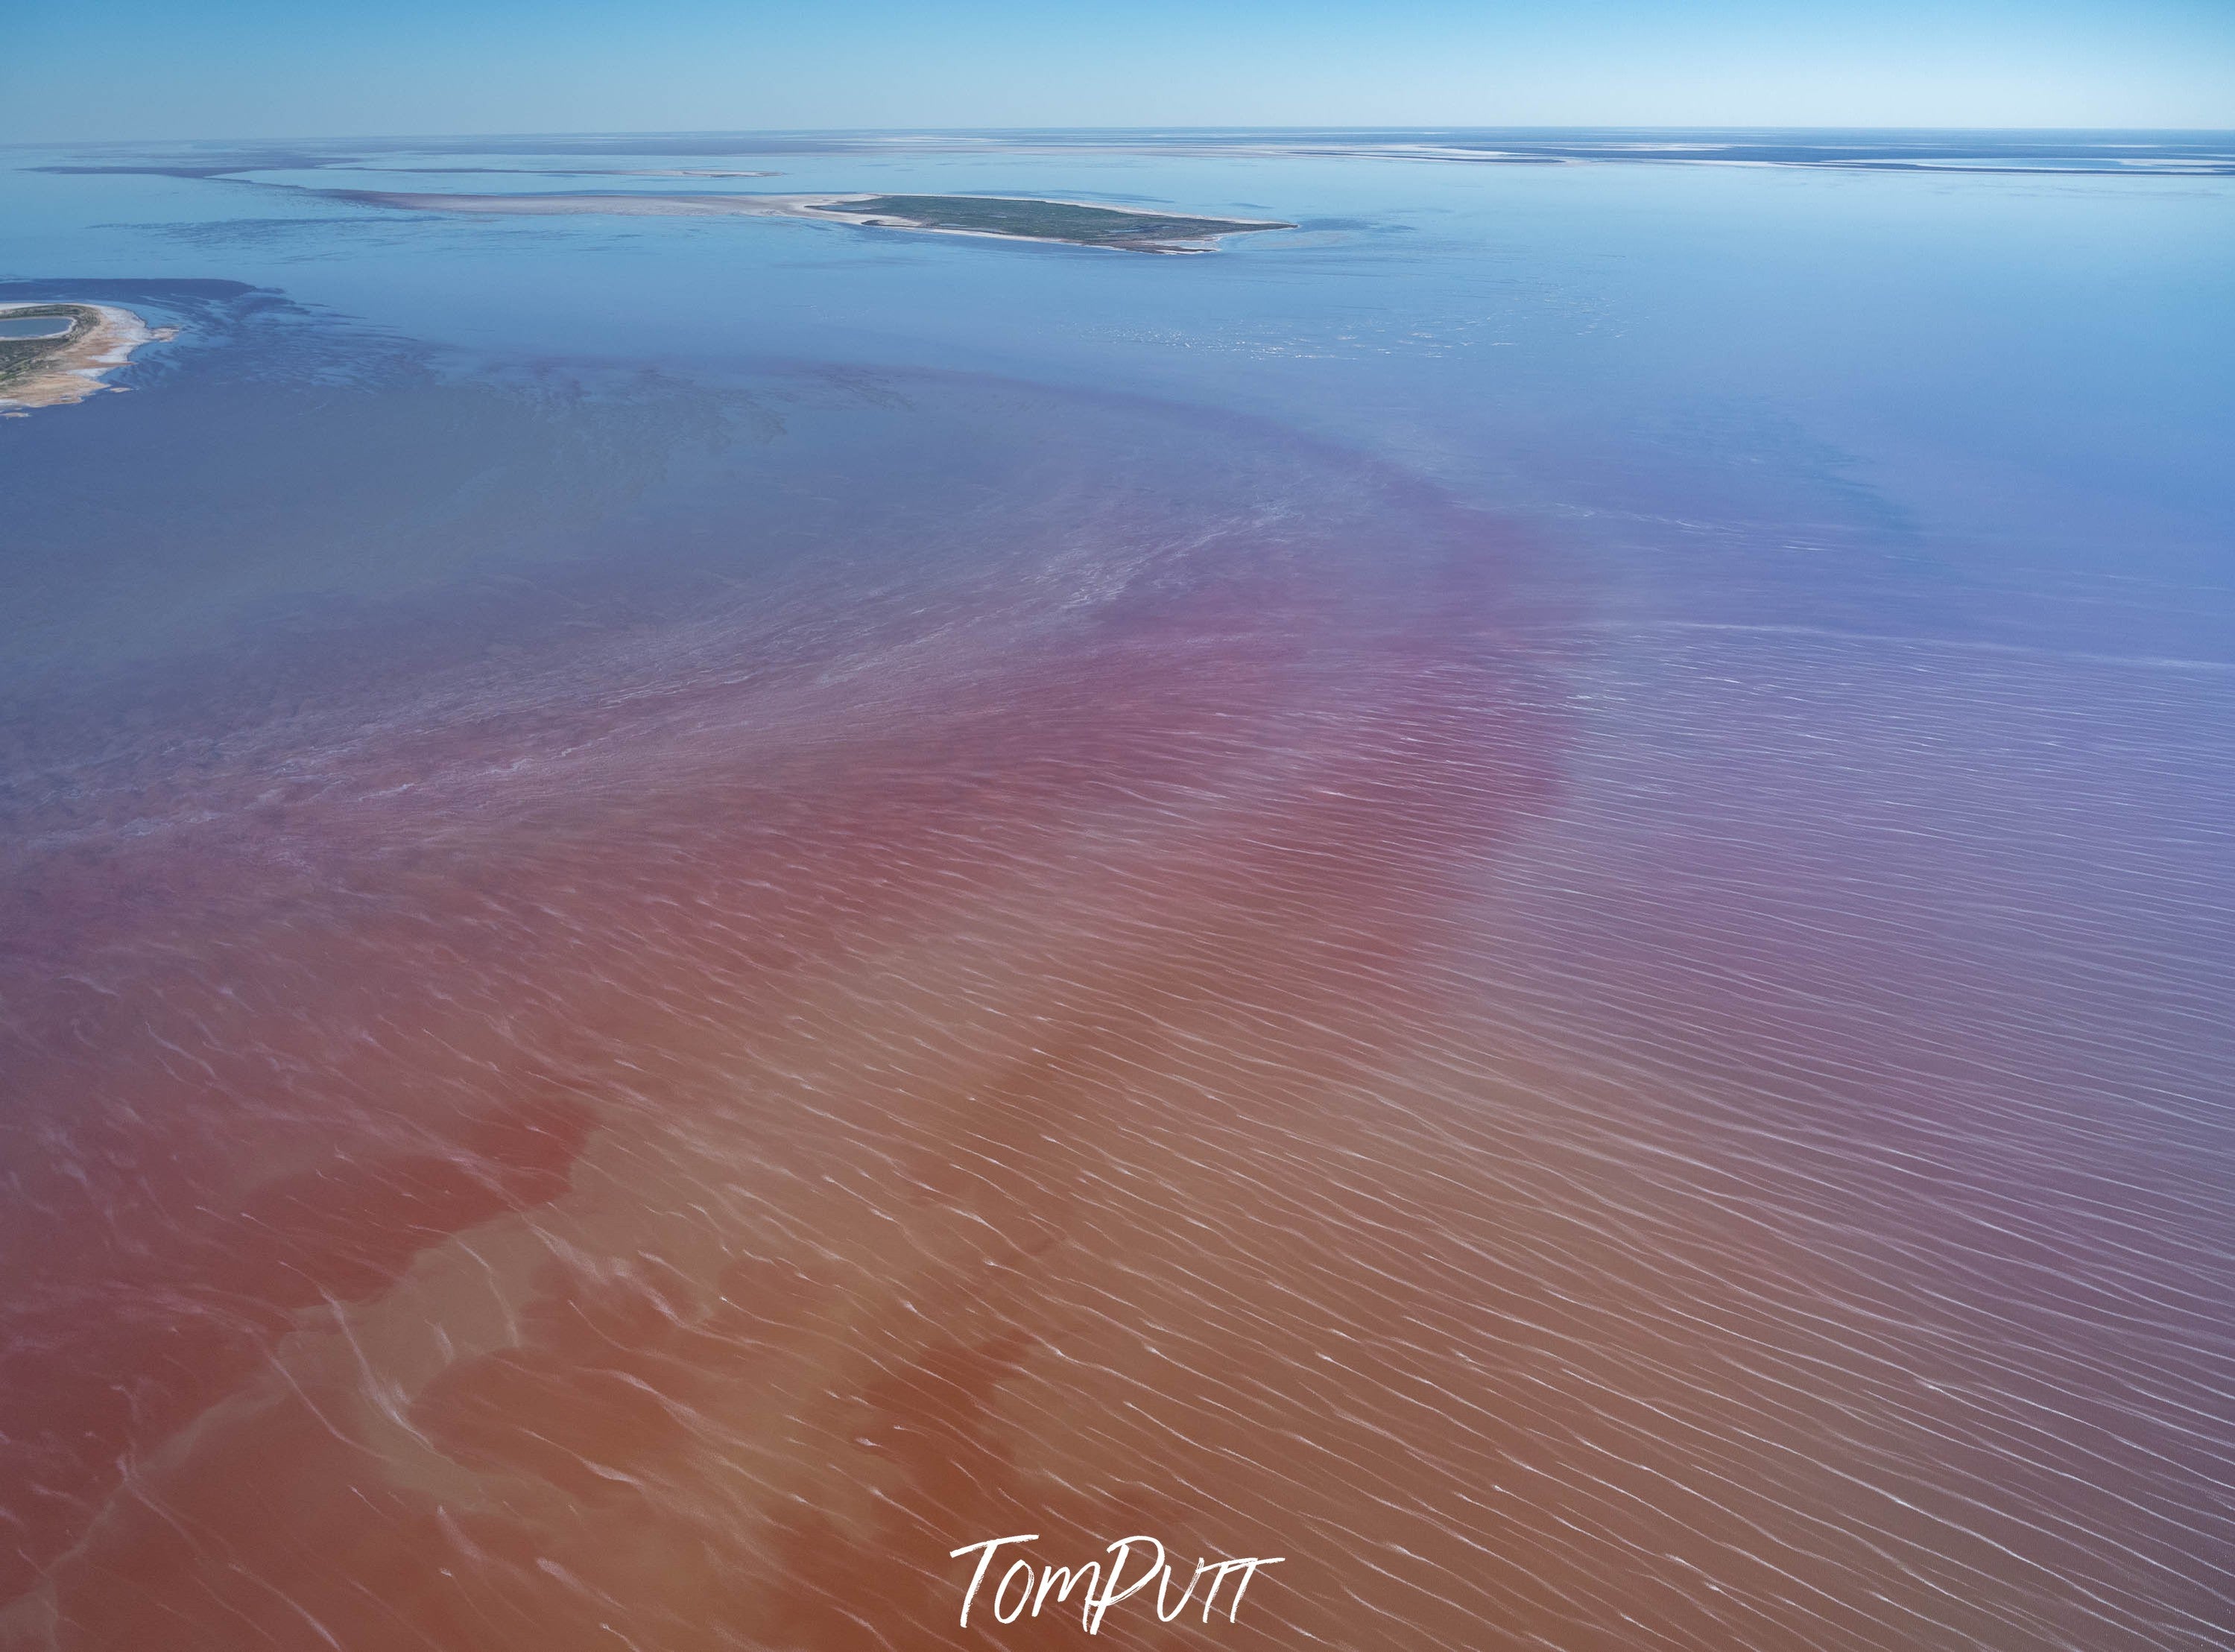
x=1014, y=217
x=570, y=172
x=54, y=372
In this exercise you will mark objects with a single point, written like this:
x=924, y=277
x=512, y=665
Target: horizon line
x=930, y=131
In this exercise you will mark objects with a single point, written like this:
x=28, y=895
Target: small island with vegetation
x=1027, y=217
x=55, y=354
x=1015, y=217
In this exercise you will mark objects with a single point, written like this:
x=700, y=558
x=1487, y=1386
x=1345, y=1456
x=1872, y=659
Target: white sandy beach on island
x=75, y=369
x=558, y=202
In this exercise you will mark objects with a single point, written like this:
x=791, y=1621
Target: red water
x=636, y=1146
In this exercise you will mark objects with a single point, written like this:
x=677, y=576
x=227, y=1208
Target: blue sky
x=158, y=69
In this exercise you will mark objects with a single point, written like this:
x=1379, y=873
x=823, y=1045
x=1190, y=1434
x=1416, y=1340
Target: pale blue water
x=2014, y=389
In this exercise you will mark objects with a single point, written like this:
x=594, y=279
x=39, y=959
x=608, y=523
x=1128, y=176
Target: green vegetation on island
x=1044, y=220
x=22, y=360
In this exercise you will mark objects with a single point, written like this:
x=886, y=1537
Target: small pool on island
x=34, y=326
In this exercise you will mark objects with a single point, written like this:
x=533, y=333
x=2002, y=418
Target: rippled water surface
x=1526, y=895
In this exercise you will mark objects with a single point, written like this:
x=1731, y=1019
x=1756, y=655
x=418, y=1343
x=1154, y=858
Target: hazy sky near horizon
x=251, y=69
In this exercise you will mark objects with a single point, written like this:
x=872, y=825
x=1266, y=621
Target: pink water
x=1229, y=1013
